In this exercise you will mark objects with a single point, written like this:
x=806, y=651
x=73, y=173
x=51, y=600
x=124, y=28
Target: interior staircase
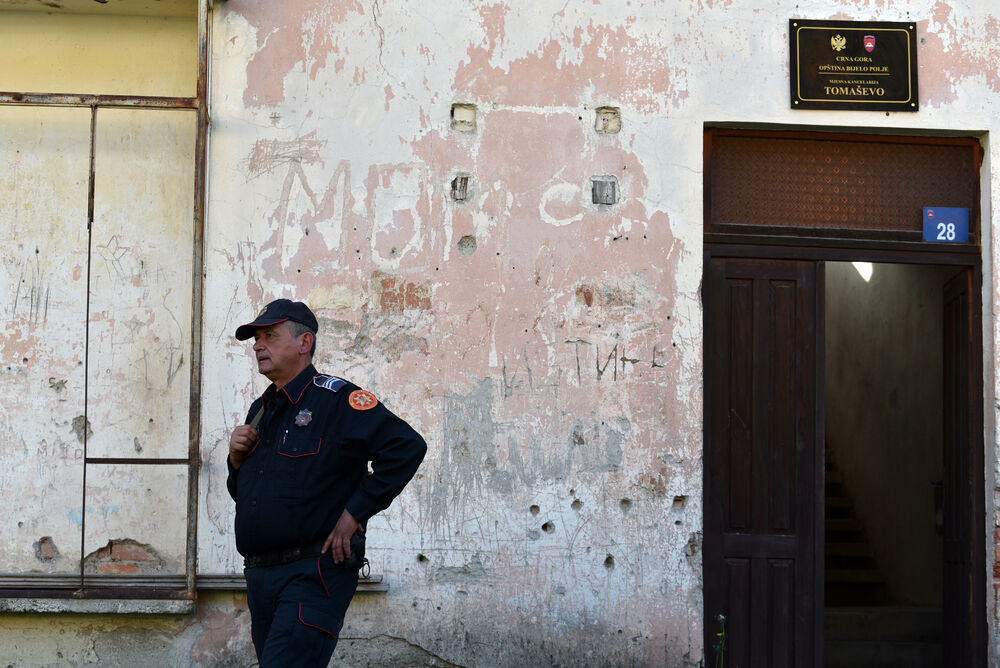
x=862, y=626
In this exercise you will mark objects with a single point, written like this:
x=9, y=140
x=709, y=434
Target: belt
x=281, y=557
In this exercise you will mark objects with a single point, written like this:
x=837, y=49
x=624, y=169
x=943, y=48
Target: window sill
x=118, y=594
x=374, y=583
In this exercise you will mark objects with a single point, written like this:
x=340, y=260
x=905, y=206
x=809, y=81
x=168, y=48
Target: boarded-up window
x=97, y=268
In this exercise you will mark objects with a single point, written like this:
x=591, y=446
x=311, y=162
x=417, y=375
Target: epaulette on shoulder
x=328, y=382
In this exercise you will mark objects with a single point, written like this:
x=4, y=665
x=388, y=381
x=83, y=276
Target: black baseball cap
x=277, y=311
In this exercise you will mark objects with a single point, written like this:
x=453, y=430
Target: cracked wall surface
x=548, y=348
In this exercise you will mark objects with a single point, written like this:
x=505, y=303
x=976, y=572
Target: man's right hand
x=240, y=442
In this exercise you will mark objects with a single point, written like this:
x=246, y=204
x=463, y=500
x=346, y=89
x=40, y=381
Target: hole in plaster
x=463, y=117
x=609, y=563
x=45, y=549
x=421, y=558
x=626, y=505
x=548, y=527
x=534, y=510
x=604, y=189
x=576, y=505
x=460, y=188
x=679, y=502
x=124, y=556
x=608, y=120
x=467, y=245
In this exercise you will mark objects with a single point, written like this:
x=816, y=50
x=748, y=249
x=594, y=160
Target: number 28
x=946, y=231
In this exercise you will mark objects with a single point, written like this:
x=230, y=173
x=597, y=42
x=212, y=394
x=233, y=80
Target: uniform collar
x=296, y=387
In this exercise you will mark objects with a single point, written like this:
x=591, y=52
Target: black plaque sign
x=853, y=65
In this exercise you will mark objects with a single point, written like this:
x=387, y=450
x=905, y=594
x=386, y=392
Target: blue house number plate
x=946, y=224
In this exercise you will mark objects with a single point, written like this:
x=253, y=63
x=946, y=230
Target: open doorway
x=884, y=463
x=906, y=343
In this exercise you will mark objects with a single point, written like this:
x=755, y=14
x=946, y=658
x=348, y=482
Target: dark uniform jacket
x=317, y=435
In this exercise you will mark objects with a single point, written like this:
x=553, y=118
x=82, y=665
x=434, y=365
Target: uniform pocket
x=299, y=447
x=298, y=467
x=320, y=619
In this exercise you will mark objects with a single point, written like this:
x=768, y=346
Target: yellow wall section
x=104, y=55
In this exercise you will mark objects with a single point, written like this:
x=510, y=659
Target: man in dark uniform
x=298, y=471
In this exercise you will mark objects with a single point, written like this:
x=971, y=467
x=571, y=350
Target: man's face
x=278, y=352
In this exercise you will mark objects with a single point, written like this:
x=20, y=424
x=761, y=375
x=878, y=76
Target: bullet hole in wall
x=421, y=558
x=534, y=510
x=548, y=527
x=625, y=505
x=46, y=550
x=576, y=505
x=679, y=502
x=609, y=563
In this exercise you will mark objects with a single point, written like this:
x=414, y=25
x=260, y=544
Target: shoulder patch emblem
x=328, y=382
x=362, y=400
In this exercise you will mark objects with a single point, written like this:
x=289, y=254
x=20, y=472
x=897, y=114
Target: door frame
x=966, y=256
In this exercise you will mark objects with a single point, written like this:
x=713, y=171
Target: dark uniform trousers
x=297, y=610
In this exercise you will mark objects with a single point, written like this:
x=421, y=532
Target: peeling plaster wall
x=549, y=349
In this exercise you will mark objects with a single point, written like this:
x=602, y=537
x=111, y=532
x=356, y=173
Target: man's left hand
x=339, y=540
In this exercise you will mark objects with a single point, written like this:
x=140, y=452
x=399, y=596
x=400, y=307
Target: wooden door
x=763, y=459
x=963, y=504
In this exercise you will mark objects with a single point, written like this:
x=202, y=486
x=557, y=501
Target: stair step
x=843, y=549
x=845, y=524
x=883, y=623
x=882, y=655
x=854, y=575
